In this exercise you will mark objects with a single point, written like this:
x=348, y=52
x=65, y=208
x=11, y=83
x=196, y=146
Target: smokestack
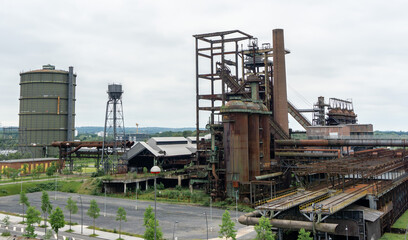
x=280, y=99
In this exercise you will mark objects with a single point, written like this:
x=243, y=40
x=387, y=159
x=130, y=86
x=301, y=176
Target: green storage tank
x=47, y=109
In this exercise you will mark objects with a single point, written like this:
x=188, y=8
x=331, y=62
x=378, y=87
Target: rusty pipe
x=252, y=218
x=214, y=173
x=310, y=150
x=303, y=154
x=346, y=142
x=268, y=175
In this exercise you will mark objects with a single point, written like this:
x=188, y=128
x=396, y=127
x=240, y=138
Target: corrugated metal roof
x=169, y=139
x=178, y=146
x=138, y=148
x=175, y=150
x=29, y=160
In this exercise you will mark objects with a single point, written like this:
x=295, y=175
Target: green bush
x=66, y=171
x=179, y=188
x=160, y=186
x=33, y=189
x=174, y=194
x=51, y=170
x=98, y=173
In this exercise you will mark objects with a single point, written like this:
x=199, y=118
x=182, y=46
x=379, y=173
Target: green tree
x=51, y=170
x=6, y=172
x=24, y=202
x=25, y=168
x=93, y=212
x=227, y=227
x=303, y=235
x=14, y=173
x=57, y=220
x=121, y=216
x=72, y=208
x=46, y=207
x=33, y=216
x=39, y=169
x=48, y=235
x=149, y=233
x=264, y=230
x=148, y=214
x=35, y=173
x=6, y=222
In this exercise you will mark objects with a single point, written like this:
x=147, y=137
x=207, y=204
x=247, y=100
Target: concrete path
x=18, y=229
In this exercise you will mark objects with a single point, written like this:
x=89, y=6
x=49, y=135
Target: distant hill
x=147, y=130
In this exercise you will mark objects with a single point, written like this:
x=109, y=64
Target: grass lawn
x=88, y=170
x=64, y=186
x=393, y=236
x=402, y=222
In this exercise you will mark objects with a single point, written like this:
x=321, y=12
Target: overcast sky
x=346, y=49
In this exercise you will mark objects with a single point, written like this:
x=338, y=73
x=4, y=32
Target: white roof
x=177, y=146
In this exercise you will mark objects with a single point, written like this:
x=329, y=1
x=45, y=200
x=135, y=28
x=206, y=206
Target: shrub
x=178, y=188
x=160, y=186
x=98, y=173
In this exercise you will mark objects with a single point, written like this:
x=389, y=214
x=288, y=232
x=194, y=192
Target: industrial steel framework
x=114, y=131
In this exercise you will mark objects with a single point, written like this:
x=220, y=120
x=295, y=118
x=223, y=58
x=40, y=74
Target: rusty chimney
x=280, y=100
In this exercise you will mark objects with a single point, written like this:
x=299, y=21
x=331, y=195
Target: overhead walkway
x=341, y=200
x=292, y=200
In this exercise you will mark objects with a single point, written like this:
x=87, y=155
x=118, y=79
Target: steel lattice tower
x=114, y=130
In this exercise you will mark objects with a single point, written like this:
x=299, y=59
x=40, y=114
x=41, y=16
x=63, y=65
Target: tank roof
x=48, y=68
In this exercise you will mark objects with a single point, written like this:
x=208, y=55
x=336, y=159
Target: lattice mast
x=114, y=129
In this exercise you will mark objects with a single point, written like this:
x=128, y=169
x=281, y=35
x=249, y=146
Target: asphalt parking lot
x=188, y=222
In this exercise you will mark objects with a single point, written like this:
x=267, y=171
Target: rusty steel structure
x=70, y=150
x=322, y=184
x=241, y=84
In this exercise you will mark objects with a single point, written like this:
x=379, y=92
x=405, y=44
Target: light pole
x=155, y=170
x=55, y=191
x=82, y=216
x=211, y=213
x=136, y=196
x=346, y=232
x=236, y=205
x=21, y=179
x=104, y=214
x=206, y=222
x=174, y=229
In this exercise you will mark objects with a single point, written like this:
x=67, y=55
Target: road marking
x=55, y=236
x=22, y=229
x=14, y=228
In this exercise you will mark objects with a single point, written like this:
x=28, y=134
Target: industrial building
x=168, y=152
x=47, y=109
x=31, y=164
x=339, y=183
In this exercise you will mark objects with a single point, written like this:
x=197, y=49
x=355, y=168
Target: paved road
x=191, y=220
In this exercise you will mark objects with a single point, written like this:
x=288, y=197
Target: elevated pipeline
x=345, y=142
x=252, y=218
